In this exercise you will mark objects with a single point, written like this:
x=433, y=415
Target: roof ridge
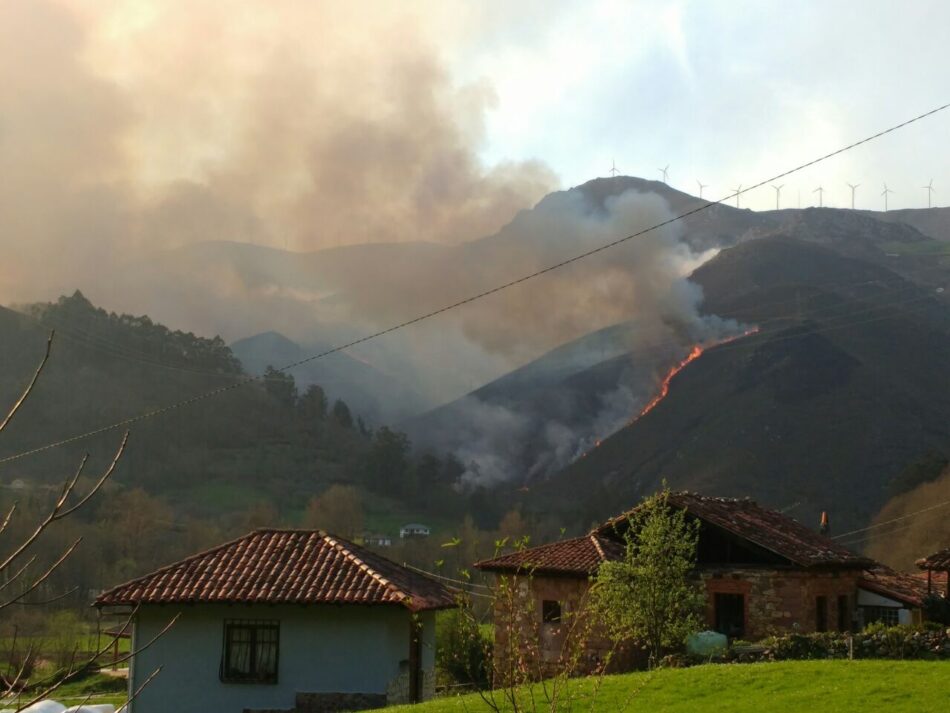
x=597, y=546
x=337, y=543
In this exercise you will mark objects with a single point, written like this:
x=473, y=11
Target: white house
x=289, y=621
x=414, y=529
x=890, y=597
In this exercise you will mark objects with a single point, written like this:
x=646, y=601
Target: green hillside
x=789, y=687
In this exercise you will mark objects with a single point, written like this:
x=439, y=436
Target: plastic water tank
x=706, y=643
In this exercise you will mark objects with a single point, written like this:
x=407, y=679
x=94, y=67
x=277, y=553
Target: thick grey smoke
x=312, y=168
x=125, y=132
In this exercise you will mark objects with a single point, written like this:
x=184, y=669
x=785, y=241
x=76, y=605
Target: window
x=730, y=614
x=844, y=613
x=887, y=615
x=550, y=611
x=250, y=651
x=821, y=613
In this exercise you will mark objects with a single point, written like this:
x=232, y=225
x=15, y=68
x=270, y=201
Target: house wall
x=779, y=600
x=323, y=649
x=776, y=600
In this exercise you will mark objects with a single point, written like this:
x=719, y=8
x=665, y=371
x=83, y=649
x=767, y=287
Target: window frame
x=872, y=613
x=255, y=644
x=547, y=617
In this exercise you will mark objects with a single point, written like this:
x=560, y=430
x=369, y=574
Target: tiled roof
x=284, y=567
x=766, y=528
x=900, y=586
x=580, y=556
x=939, y=561
x=744, y=518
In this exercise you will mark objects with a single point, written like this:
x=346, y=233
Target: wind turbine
x=930, y=189
x=853, y=187
x=821, y=193
x=738, y=190
x=884, y=193
x=701, y=187
x=666, y=172
x=613, y=168
x=778, y=194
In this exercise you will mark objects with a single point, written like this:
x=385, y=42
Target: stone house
x=761, y=571
x=282, y=621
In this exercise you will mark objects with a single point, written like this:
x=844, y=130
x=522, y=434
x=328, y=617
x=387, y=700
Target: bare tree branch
x=141, y=688
x=42, y=578
x=58, y=597
x=29, y=388
x=105, y=476
x=8, y=518
x=57, y=512
x=19, y=572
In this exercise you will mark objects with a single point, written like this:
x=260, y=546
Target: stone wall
x=783, y=600
x=776, y=601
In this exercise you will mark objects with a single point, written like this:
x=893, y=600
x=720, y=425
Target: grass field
x=787, y=687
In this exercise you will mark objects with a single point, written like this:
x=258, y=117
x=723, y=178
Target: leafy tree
x=312, y=406
x=649, y=596
x=280, y=385
x=339, y=510
x=341, y=414
x=388, y=463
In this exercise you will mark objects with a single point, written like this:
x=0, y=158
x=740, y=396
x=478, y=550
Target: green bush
x=463, y=648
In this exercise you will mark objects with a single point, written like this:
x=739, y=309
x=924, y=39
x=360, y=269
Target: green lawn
x=787, y=687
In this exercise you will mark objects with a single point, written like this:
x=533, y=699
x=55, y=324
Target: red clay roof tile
x=939, y=561
x=766, y=528
x=580, y=556
x=744, y=518
x=284, y=567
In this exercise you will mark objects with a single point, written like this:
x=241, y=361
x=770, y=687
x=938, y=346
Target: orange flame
x=693, y=355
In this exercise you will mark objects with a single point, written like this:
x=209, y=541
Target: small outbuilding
x=937, y=567
x=283, y=621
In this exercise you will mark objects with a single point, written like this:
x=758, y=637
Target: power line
x=467, y=300
x=444, y=578
x=896, y=519
x=117, y=350
x=920, y=296
x=898, y=528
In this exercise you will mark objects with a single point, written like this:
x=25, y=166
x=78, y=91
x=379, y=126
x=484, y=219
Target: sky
x=728, y=93
x=128, y=127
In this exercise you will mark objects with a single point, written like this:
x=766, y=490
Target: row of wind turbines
x=820, y=190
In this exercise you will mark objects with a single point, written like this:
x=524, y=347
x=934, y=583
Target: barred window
x=250, y=651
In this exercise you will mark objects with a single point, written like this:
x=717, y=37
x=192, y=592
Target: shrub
x=463, y=649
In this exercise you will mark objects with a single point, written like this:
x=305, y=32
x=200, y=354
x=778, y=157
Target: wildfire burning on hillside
x=694, y=354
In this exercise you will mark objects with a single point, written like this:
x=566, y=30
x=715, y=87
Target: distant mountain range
x=842, y=389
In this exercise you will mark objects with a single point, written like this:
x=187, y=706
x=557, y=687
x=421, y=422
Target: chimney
x=823, y=527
